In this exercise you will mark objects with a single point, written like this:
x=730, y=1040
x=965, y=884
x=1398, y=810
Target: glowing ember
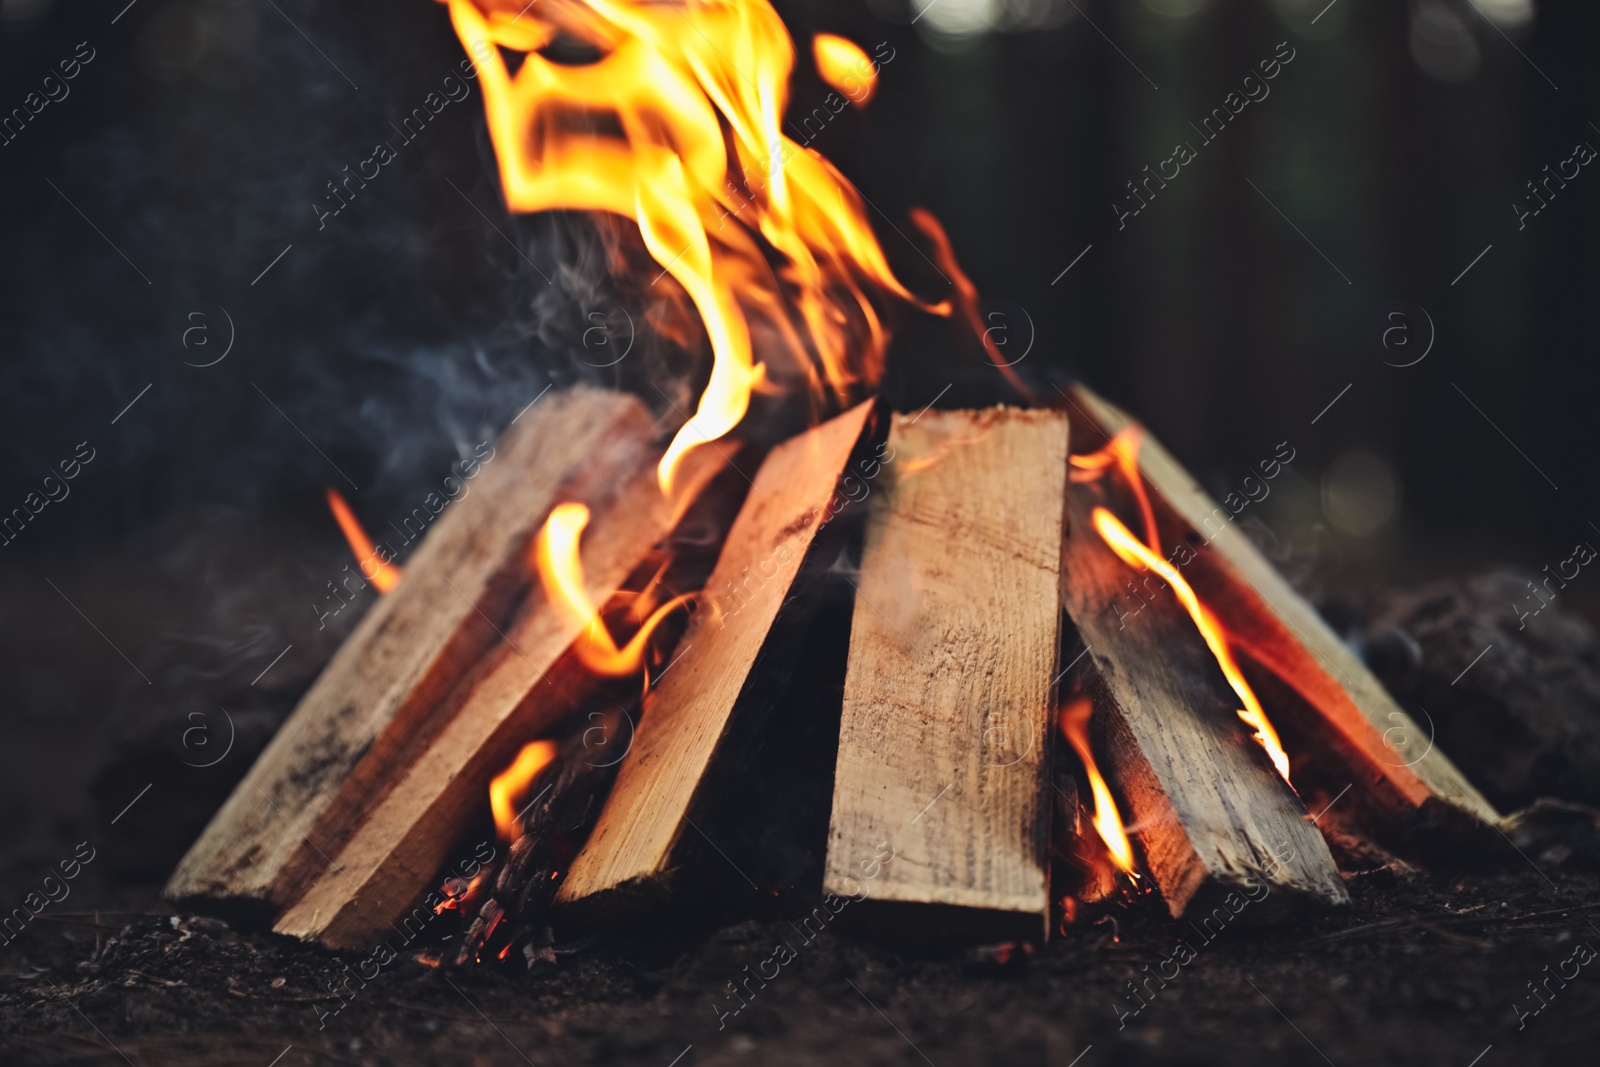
x=561, y=571
x=1137, y=554
x=1074, y=722
x=843, y=65
x=509, y=785
x=384, y=576
x=676, y=123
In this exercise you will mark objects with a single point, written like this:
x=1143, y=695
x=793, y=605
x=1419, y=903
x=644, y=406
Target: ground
x=1435, y=967
x=1431, y=972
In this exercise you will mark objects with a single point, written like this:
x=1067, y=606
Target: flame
x=1074, y=722
x=677, y=125
x=561, y=570
x=385, y=576
x=843, y=65
x=1134, y=553
x=509, y=785
x=1123, y=450
x=966, y=298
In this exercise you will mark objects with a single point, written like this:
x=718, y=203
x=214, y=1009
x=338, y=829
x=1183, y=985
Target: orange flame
x=966, y=298
x=1074, y=723
x=385, y=576
x=509, y=785
x=561, y=570
x=1134, y=553
x=843, y=65
x=677, y=125
x=1123, y=450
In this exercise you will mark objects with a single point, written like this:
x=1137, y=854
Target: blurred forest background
x=1251, y=301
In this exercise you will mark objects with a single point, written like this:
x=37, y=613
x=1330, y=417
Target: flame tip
x=844, y=65
x=510, y=784
x=385, y=576
x=1107, y=821
x=1123, y=448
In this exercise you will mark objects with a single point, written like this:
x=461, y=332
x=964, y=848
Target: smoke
x=219, y=281
x=214, y=185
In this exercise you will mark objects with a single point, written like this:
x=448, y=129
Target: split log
x=735, y=653
x=521, y=689
x=376, y=705
x=1397, y=765
x=945, y=739
x=1210, y=813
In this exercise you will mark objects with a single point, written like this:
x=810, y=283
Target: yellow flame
x=561, y=570
x=509, y=785
x=677, y=125
x=1123, y=450
x=385, y=576
x=843, y=65
x=1136, y=554
x=1107, y=821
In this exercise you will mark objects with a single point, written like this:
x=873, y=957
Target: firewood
x=1215, y=822
x=567, y=796
x=521, y=688
x=737, y=649
x=1391, y=759
x=945, y=741
x=376, y=705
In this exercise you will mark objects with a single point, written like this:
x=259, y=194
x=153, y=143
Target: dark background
x=413, y=325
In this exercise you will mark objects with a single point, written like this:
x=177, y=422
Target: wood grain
x=1393, y=759
x=640, y=836
x=335, y=758
x=521, y=689
x=1209, y=812
x=945, y=738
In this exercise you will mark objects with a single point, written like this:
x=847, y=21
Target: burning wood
x=734, y=653
x=382, y=701
x=1402, y=774
x=563, y=797
x=1212, y=814
x=520, y=688
x=1103, y=816
x=500, y=634
x=944, y=743
x=943, y=756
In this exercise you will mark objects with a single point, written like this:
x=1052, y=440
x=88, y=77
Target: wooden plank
x=521, y=689
x=1208, y=810
x=1396, y=762
x=944, y=744
x=336, y=755
x=640, y=837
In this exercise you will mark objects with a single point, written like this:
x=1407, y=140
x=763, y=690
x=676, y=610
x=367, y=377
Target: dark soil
x=1424, y=967
x=1427, y=973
